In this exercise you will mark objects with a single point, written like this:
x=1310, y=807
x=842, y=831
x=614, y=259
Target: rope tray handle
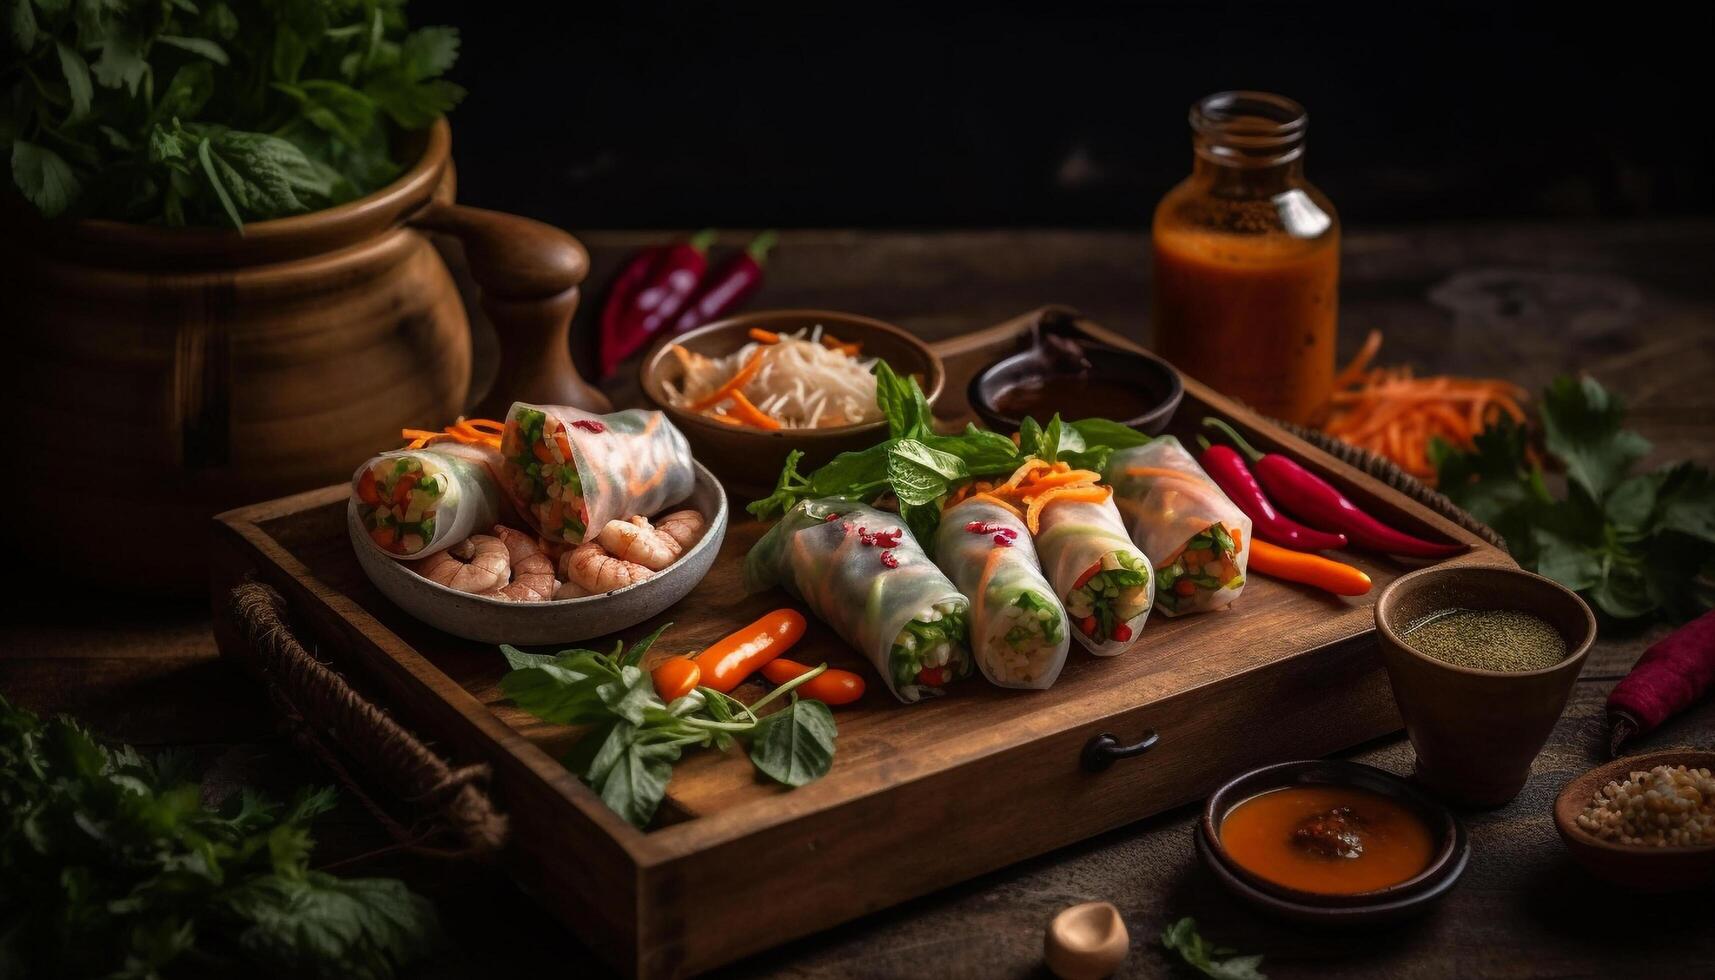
x=319, y=706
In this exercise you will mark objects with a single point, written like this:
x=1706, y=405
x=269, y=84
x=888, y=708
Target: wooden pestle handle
x=529, y=274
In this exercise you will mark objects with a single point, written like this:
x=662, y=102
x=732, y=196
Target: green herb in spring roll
x=569, y=471
x=1198, y=540
x=862, y=573
x=1018, y=628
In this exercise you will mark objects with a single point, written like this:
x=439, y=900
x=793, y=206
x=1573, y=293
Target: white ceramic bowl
x=559, y=621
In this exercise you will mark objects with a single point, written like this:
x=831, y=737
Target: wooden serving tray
x=920, y=796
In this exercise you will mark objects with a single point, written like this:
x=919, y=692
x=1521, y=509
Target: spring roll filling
x=932, y=650
x=398, y=502
x=1024, y=639
x=1206, y=565
x=1109, y=595
x=545, y=476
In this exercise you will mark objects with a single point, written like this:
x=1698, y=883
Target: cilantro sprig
x=1219, y=962
x=920, y=467
x=634, y=737
x=212, y=111
x=111, y=865
x=1634, y=544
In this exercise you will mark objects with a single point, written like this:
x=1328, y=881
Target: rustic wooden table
x=1633, y=305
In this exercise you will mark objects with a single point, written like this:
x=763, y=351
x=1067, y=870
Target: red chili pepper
x=1227, y=468
x=888, y=560
x=1315, y=500
x=624, y=289
x=1089, y=573
x=588, y=425
x=665, y=285
x=730, y=285
x=1003, y=541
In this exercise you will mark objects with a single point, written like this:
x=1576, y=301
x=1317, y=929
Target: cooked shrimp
x=683, y=526
x=569, y=590
x=477, y=564
x=532, y=570
x=594, y=570
x=637, y=541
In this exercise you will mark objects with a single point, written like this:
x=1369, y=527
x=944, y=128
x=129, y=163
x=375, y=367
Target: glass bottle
x=1247, y=260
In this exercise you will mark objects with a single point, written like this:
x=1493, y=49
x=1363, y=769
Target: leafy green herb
x=634, y=737
x=110, y=865
x=1634, y=544
x=920, y=468
x=1215, y=961
x=180, y=112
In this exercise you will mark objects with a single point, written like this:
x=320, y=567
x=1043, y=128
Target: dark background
x=867, y=115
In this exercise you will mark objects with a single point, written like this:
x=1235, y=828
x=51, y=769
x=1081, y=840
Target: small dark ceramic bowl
x=749, y=459
x=1410, y=897
x=1049, y=357
x=1633, y=866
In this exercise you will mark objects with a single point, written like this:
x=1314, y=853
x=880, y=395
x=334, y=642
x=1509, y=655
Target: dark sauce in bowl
x=1073, y=396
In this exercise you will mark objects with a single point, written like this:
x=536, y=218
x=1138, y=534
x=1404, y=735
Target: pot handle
x=529, y=274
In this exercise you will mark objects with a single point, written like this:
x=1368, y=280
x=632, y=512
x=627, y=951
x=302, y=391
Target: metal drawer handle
x=1100, y=752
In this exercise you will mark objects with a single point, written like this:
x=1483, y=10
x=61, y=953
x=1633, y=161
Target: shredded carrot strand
x=749, y=414
x=739, y=379
x=1086, y=494
x=471, y=432
x=1392, y=412
x=762, y=336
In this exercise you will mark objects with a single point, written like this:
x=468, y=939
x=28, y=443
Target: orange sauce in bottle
x=1247, y=261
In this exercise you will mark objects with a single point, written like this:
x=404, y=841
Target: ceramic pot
x=1476, y=732
x=167, y=374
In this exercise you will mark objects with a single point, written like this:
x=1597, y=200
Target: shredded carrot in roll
x=1391, y=412
x=762, y=336
x=471, y=432
x=1086, y=494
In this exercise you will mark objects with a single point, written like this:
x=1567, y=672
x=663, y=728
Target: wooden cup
x=1476, y=731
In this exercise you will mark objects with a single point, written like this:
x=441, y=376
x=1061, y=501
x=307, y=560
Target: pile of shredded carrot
x=1391, y=412
x=471, y=432
x=1032, y=487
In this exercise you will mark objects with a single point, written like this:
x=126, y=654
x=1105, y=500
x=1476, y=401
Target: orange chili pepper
x=676, y=678
x=729, y=660
x=1307, y=569
x=831, y=687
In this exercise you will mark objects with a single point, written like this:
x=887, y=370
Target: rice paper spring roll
x=418, y=501
x=1019, y=636
x=862, y=573
x=1103, y=580
x=1198, y=541
x=569, y=471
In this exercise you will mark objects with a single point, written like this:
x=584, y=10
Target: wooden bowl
x=750, y=459
x=1633, y=866
x=1410, y=897
x=485, y=620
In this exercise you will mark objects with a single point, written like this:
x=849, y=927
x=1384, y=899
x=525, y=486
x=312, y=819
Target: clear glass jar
x=1247, y=260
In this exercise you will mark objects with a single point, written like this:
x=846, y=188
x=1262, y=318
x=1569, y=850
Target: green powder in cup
x=1487, y=639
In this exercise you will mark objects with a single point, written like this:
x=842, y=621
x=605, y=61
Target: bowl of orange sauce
x=1331, y=841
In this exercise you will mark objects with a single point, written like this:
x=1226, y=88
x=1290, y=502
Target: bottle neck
x=1248, y=143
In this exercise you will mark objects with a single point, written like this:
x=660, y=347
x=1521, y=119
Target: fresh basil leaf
x=795, y=745
x=196, y=45
x=921, y=519
x=984, y=453
x=519, y=659
x=76, y=72
x=641, y=647
x=1685, y=501
x=1182, y=937
x=1029, y=437
x=627, y=696
x=902, y=403
x=921, y=475
x=1110, y=434
x=856, y=475
x=43, y=177
x=636, y=782
x=556, y=694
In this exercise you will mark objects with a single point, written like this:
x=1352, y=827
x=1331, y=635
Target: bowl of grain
x=1646, y=822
